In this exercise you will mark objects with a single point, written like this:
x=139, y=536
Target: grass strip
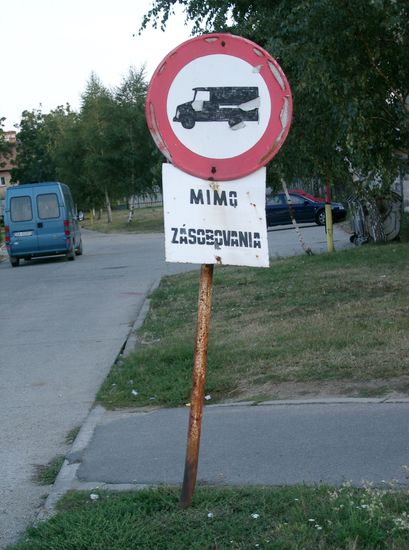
x=46, y=474
x=145, y=220
x=328, y=318
x=297, y=517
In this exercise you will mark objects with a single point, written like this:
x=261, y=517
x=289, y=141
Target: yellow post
x=329, y=228
x=91, y=216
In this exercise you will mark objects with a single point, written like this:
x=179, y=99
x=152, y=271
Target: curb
x=131, y=341
x=66, y=475
x=334, y=401
x=66, y=478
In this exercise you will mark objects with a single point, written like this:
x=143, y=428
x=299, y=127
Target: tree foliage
x=347, y=64
x=139, y=159
x=34, y=160
x=103, y=152
x=5, y=147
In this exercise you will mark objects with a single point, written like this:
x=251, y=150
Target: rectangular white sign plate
x=209, y=222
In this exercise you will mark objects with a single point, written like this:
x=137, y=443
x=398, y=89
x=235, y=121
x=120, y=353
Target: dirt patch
x=388, y=388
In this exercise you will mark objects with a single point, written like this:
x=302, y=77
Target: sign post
x=219, y=108
x=198, y=384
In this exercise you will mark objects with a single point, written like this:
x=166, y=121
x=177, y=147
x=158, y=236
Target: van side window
x=20, y=209
x=47, y=206
x=68, y=202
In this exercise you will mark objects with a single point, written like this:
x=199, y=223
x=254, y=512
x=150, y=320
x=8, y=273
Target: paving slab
x=273, y=444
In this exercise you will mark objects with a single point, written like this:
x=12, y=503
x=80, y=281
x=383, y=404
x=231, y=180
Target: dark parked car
x=306, y=209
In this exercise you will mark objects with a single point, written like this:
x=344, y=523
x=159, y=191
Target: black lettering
x=220, y=200
x=196, y=199
x=234, y=240
x=218, y=238
x=183, y=237
x=201, y=236
x=233, y=198
x=209, y=236
x=192, y=236
x=243, y=239
x=215, y=237
x=257, y=243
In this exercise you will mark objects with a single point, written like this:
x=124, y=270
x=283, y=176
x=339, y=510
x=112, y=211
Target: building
x=7, y=163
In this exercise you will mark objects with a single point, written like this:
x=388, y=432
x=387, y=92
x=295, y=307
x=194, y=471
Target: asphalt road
x=62, y=325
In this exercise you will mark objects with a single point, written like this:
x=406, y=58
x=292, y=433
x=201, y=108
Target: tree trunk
x=131, y=204
x=376, y=229
x=306, y=248
x=132, y=201
x=108, y=206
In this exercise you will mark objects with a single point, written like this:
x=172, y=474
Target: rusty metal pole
x=198, y=384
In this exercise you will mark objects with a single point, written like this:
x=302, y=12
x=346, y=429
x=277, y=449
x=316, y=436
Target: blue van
x=40, y=220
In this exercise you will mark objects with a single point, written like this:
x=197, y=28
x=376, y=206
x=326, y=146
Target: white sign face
x=208, y=222
x=227, y=110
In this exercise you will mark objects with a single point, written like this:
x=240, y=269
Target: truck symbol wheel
x=188, y=122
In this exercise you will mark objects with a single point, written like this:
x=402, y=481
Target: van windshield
x=47, y=206
x=20, y=209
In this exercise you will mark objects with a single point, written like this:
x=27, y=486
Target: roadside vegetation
x=46, y=474
x=145, y=220
x=291, y=518
x=330, y=324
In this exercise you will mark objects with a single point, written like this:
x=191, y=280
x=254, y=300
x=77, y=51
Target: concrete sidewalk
x=275, y=443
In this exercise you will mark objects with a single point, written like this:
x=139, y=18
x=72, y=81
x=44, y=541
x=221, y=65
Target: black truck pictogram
x=234, y=104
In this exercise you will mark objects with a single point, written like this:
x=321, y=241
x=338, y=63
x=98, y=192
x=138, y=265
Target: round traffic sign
x=219, y=107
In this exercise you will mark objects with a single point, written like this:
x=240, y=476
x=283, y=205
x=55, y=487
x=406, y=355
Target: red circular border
x=170, y=145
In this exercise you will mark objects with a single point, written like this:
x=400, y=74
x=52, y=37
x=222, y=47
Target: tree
x=347, y=64
x=104, y=152
x=33, y=160
x=37, y=140
x=68, y=155
x=98, y=135
x=138, y=157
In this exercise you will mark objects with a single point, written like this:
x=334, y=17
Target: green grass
x=290, y=518
x=71, y=435
x=330, y=318
x=46, y=474
x=146, y=220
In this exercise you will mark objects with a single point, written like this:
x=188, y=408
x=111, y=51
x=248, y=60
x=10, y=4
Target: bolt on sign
x=219, y=108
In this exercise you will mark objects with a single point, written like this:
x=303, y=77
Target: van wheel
x=14, y=261
x=71, y=254
x=79, y=250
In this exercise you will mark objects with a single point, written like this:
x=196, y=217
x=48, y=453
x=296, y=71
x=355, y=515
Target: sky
x=49, y=48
